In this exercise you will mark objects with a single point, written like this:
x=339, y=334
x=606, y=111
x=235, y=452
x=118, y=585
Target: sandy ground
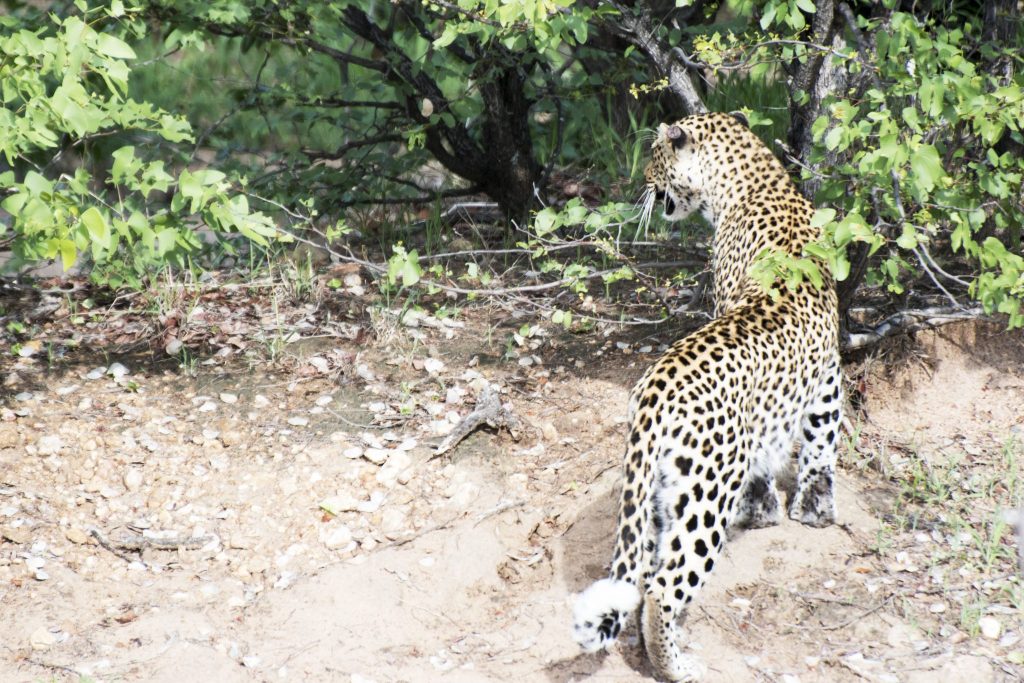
x=247, y=526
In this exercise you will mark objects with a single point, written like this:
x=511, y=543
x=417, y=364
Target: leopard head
x=696, y=161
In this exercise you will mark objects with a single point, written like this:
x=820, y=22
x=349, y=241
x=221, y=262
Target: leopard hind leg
x=695, y=511
x=814, y=499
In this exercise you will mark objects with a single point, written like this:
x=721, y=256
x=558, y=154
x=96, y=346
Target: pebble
x=990, y=627
x=49, y=445
x=42, y=639
x=393, y=523
x=132, y=479
x=117, y=371
x=397, y=462
x=324, y=400
x=260, y=401
x=297, y=421
x=208, y=407
x=231, y=437
x=353, y=452
x=229, y=398
x=937, y=608
x=338, y=537
x=96, y=373
x=373, y=504
x=18, y=535
x=433, y=366
x=76, y=535
x=342, y=502
x=378, y=456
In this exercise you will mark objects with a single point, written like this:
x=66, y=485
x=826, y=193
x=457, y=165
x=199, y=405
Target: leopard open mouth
x=670, y=204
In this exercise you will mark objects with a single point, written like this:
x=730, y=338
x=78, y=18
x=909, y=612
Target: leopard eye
x=676, y=136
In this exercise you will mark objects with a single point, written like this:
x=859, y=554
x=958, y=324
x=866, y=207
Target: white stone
x=338, y=537
x=132, y=479
x=51, y=444
x=42, y=639
x=433, y=366
x=229, y=398
x=117, y=371
x=377, y=456
x=990, y=627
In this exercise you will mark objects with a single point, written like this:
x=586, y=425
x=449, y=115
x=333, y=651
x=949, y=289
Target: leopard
x=728, y=408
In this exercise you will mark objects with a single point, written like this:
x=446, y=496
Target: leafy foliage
x=308, y=109
x=65, y=89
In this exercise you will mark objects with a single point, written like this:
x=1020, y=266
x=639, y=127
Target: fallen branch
x=490, y=411
x=137, y=543
x=905, y=322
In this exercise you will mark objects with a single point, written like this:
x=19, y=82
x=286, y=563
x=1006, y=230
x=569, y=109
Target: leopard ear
x=676, y=136
x=741, y=117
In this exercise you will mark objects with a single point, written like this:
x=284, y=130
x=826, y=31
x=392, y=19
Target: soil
x=224, y=520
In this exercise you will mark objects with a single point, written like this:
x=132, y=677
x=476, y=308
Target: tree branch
x=639, y=29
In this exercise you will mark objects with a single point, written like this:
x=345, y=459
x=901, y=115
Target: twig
x=910, y=321
x=137, y=543
x=497, y=510
x=858, y=617
x=489, y=411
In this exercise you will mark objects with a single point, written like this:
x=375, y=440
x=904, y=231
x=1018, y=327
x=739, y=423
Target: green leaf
x=834, y=137
x=926, y=166
x=68, y=254
x=822, y=217
x=96, y=224
x=112, y=46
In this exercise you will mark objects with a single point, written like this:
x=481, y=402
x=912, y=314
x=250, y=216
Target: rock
x=260, y=401
x=353, y=452
x=117, y=371
x=19, y=535
x=76, y=535
x=378, y=456
x=9, y=437
x=132, y=479
x=337, y=538
x=393, y=523
x=990, y=627
x=96, y=373
x=433, y=366
x=42, y=639
x=229, y=398
x=373, y=504
x=232, y=437
x=297, y=421
x=397, y=462
x=549, y=432
x=342, y=502
x=50, y=444
x=173, y=346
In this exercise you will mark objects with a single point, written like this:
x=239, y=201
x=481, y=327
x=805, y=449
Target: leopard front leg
x=814, y=500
